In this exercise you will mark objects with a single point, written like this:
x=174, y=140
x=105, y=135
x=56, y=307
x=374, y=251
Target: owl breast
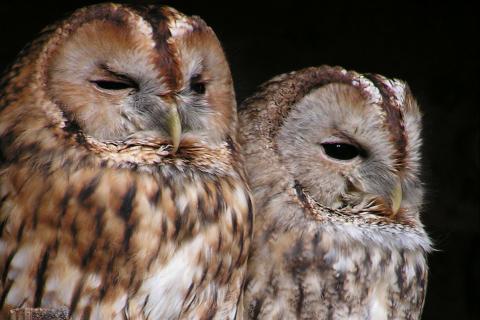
x=334, y=271
x=204, y=264
x=168, y=241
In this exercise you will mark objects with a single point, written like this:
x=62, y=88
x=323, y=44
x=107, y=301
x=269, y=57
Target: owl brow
x=118, y=75
x=197, y=77
x=114, y=73
x=394, y=120
x=165, y=58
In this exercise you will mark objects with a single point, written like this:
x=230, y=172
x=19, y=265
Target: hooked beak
x=174, y=127
x=396, y=197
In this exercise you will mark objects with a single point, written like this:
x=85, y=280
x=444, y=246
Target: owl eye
x=341, y=151
x=113, y=85
x=197, y=85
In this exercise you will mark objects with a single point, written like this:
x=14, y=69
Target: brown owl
x=122, y=193
x=332, y=158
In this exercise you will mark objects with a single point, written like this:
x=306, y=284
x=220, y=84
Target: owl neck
x=156, y=153
x=371, y=214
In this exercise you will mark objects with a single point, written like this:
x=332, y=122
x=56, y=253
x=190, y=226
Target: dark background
x=430, y=45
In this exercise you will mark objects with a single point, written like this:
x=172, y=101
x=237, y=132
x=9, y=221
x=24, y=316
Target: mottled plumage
x=122, y=192
x=329, y=154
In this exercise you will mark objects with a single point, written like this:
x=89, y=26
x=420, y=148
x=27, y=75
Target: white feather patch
x=168, y=286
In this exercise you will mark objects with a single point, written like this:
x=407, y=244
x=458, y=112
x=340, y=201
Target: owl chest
x=379, y=283
x=206, y=268
x=169, y=284
x=326, y=274
x=363, y=279
x=152, y=245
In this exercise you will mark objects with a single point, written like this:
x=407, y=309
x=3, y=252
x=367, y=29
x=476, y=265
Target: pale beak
x=174, y=127
x=396, y=197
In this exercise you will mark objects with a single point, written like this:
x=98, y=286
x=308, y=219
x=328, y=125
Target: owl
x=122, y=190
x=332, y=158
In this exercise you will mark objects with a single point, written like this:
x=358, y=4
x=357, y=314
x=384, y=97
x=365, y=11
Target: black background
x=430, y=45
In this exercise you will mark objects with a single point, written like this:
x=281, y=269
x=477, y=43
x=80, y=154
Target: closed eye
x=113, y=85
x=107, y=79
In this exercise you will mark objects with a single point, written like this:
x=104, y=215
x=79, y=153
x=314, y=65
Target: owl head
x=345, y=141
x=116, y=72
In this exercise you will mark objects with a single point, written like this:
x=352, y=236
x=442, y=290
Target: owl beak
x=174, y=127
x=396, y=197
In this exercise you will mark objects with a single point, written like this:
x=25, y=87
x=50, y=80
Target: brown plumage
x=122, y=192
x=329, y=154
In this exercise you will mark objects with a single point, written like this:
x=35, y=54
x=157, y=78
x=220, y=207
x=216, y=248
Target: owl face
x=149, y=72
x=350, y=142
x=341, y=149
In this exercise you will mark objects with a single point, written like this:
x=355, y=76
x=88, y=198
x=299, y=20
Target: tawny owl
x=332, y=159
x=122, y=191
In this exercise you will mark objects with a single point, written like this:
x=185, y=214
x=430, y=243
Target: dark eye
x=340, y=151
x=197, y=85
x=113, y=85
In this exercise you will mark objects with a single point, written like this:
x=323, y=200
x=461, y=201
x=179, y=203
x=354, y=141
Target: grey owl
x=333, y=161
x=122, y=193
